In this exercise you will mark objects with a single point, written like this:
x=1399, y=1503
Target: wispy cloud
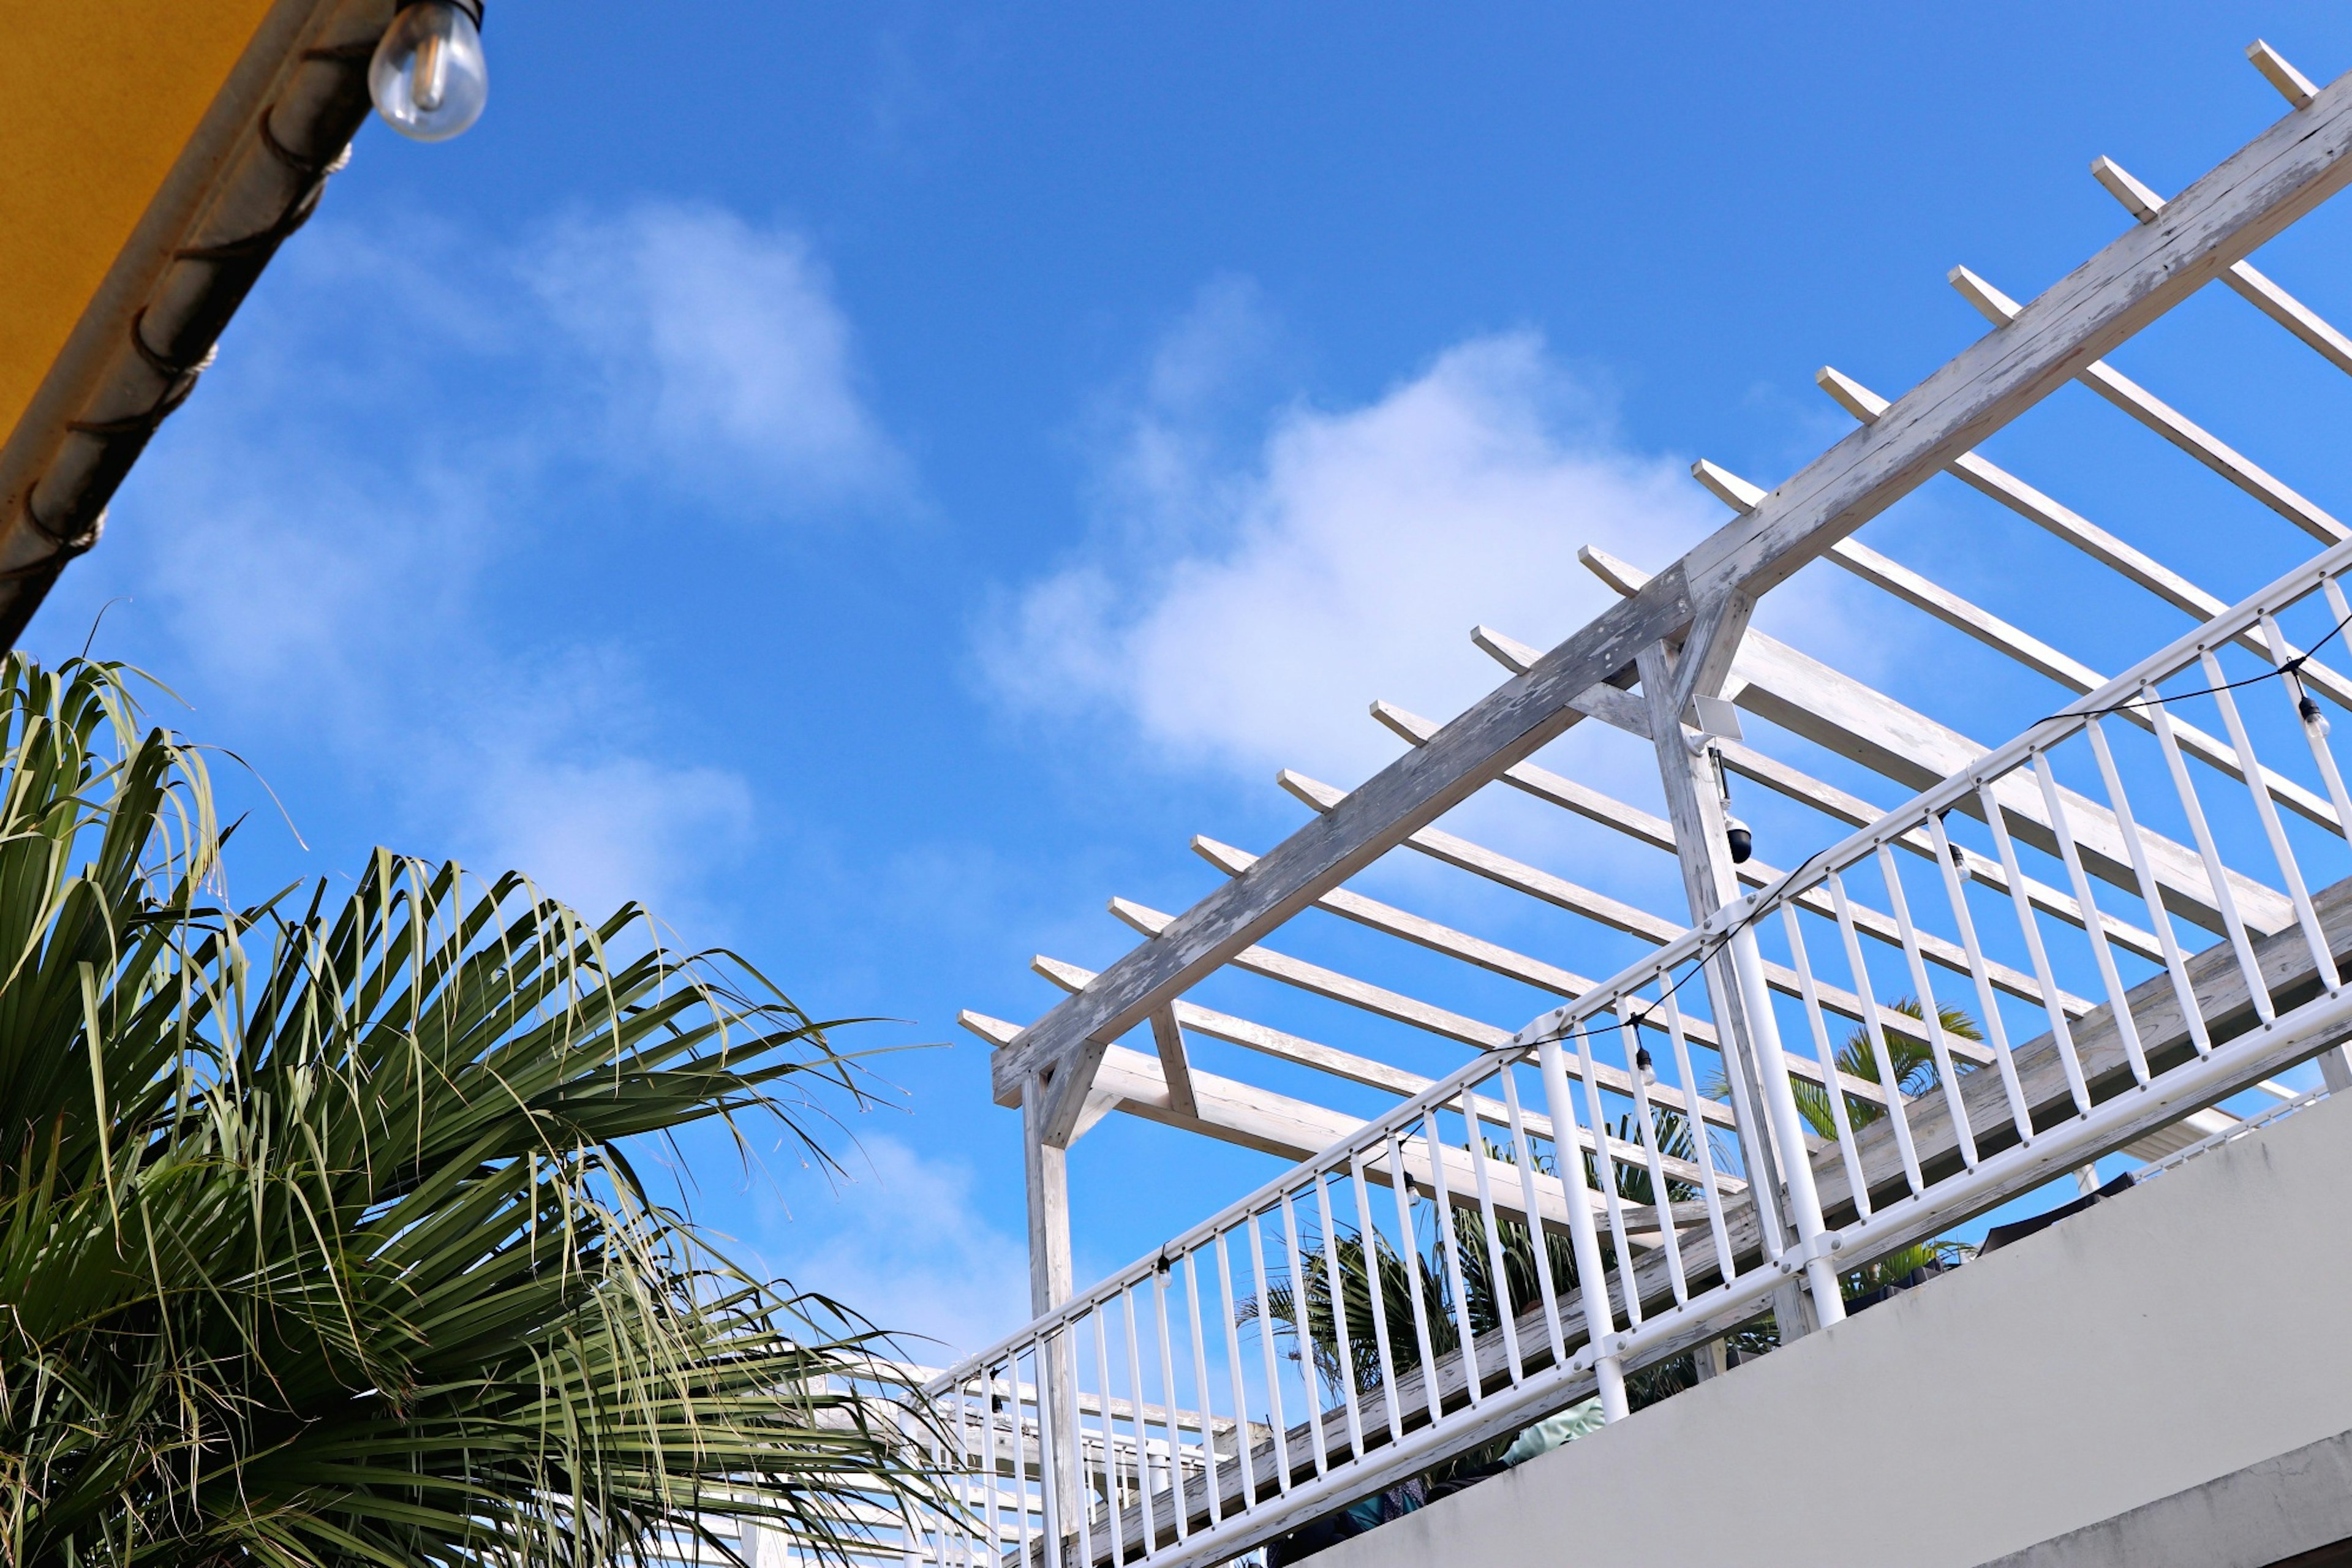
x=719, y=356
x=322, y=547
x=1240, y=609
x=905, y=1240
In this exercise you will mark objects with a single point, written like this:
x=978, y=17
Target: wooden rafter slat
x=2135, y=565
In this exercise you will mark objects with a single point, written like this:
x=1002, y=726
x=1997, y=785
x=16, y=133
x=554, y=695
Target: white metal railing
x=1208, y=1398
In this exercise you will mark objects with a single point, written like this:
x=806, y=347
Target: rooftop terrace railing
x=2096, y=931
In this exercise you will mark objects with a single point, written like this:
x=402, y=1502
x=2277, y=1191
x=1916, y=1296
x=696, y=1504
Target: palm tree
x=1913, y=1062
x=1913, y=1059
x=1426, y=1272
x=320, y=1237
x=1311, y=1323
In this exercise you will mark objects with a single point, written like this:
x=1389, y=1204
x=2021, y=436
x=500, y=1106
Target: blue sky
x=874, y=481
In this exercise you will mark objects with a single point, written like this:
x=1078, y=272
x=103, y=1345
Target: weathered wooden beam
x=1045, y=1173
x=2255, y=194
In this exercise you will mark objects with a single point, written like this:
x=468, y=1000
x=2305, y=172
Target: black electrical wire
x=2292, y=668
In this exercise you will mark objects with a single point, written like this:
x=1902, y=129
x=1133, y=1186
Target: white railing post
x=1045, y=1169
x=1788, y=1126
x=1695, y=801
x=1591, y=1278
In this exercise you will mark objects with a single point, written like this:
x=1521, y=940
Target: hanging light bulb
x=1648, y=1068
x=2308, y=706
x=428, y=77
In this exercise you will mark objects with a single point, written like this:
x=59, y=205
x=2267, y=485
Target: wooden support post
x=1046, y=1168
x=1694, y=807
x=2336, y=1069
x=1168, y=1035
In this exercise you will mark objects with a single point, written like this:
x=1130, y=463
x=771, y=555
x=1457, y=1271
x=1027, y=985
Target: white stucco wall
x=2190, y=1328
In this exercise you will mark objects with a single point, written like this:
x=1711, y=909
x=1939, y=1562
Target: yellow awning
x=154, y=155
x=97, y=103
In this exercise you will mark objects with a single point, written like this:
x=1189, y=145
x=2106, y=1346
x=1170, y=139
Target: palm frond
x=320, y=1242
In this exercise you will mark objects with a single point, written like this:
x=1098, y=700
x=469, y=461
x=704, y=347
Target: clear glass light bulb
x=428, y=79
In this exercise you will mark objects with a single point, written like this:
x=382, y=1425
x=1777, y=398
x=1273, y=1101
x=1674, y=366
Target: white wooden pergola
x=1673, y=663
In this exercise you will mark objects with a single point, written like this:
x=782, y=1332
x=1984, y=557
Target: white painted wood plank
x=1902, y=583
x=2292, y=84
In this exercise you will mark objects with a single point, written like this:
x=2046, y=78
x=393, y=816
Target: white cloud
x=533, y=789
x=720, y=354
x=1244, y=613
x=904, y=1242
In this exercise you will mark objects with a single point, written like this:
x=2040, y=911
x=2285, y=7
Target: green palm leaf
x=320, y=1238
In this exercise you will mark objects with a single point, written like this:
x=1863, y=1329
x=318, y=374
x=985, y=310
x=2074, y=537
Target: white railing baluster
x=1660, y=1198
x=1049, y=1450
x=2070, y=855
x=1497, y=1266
x=1592, y=1280
x=1375, y=1293
x=1788, y=1127
x=1825, y=1054
x=1201, y=1384
x=1874, y=1029
x=1537, y=1242
x=1449, y=1242
x=1231, y=1312
x=1604, y=1165
x=1711, y=1194
x=992, y=1517
x=1316, y=1443
x=2061, y=1034
x=1148, y=1531
x=1168, y=1402
x=2176, y=964
x=1406, y=1236
x=2322, y=960
x=1114, y=1477
x=1266, y=1341
x=1343, y=1346
x=2258, y=991
x=1931, y=1012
